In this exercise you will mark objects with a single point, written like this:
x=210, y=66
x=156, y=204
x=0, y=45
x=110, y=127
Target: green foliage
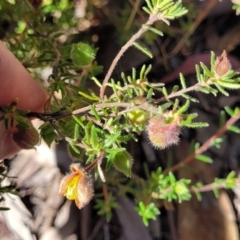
x=166, y=8
x=143, y=49
x=106, y=206
x=167, y=187
x=147, y=212
x=236, y=7
x=122, y=161
x=204, y=158
x=99, y=126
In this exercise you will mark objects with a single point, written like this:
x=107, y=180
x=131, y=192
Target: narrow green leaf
x=217, y=142
x=123, y=77
x=164, y=5
x=229, y=85
x=22, y=121
x=197, y=146
x=204, y=158
x=192, y=116
x=164, y=91
x=198, y=195
x=172, y=178
x=152, y=29
x=182, y=80
x=149, y=68
x=175, y=89
x=94, y=137
x=220, y=89
x=96, y=81
x=109, y=142
x=189, y=97
x=78, y=121
x=203, y=90
x=236, y=111
x=206, y=70
x=165, y=106
x=129, y=79
x=216, y=192
x=73, y=154
x=76, y=132
x=222, y=118
x=143, y=49
x=150, y=94
x=212, y=61
x=116, y=85
x=146, y=10
x=95, y=113
x=184, y=108
x=143, y=69
x=176, y=104
x=234, y=129
x=87, y=129
x=115, y=90
x=196, y=125
x=73, y=147
x=230, y=76
x=134, y=73
x=150, y=7
x=197, y=68
x=229, y=111
x=94, y=98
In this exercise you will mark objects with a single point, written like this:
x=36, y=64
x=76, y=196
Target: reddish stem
x=206, y=145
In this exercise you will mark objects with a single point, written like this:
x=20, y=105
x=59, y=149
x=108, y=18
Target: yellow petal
x=64, y=184
x=71, y=193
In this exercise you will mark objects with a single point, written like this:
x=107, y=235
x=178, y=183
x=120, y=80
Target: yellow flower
x=77, y=186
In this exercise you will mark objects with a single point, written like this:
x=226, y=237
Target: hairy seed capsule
x=162, y=134
x=25, y=138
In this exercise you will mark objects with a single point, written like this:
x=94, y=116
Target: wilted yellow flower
x=77, y=186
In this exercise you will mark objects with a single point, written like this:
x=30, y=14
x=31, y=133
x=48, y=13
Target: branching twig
x=141, y=31
x=206, y=145
x=208, y=187
x=180, y=93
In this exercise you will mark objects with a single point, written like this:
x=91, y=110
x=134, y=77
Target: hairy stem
x=153, y=18
x=179, y=93
x=208, y=187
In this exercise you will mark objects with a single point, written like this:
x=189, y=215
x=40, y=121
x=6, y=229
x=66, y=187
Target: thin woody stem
x=205, y=188
x=179, y=93
x=141, y=31
x=206, y=145
x=208, y=187
x=97, y=161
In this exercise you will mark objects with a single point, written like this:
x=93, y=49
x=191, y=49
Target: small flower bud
x=222, y=65
x=162, y=134
x=139, y=116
